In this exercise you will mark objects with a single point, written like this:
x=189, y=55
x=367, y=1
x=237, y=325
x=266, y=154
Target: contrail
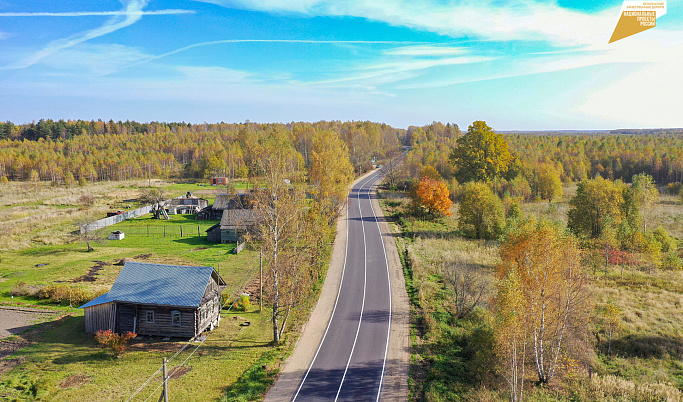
x=312, y=41
x=97, y=13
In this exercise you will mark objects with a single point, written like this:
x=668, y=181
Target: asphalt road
x=350, y=361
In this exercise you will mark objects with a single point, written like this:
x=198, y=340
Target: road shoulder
x=395, y=384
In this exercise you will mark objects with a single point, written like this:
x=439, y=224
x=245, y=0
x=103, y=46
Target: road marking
x=365, y=281
x=346, y=250
x=386, y=263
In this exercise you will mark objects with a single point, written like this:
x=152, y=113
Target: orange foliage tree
x=432, y=195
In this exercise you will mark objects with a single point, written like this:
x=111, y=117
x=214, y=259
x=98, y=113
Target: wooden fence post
x=260, y=283
x=164, y=392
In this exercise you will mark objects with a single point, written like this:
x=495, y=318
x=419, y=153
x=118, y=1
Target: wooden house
x=156, y=299
x=225, y=202
x=235, y=223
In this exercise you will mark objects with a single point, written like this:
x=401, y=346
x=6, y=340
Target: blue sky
x=519, y=65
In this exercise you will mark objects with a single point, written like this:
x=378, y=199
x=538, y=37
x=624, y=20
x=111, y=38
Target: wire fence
x=162, y=231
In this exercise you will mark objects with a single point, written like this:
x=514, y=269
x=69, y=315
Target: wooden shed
x=157, y=299
x=235, y=223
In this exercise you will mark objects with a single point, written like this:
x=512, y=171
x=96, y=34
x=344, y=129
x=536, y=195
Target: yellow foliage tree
x=544, y=261
x=432, y=195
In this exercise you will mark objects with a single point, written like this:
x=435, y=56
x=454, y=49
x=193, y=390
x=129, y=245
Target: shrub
x=243, y=303
x=674, y=188
x=662, y=236
x=62, y=293
x=672, y=262
x=116, y=342
x=82, y=182
x=22, y=289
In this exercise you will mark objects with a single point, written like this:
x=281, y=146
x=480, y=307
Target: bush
x=662, y=236
x=243, y=303
x=674, y=188
x=672, y=262
x=22, y=289
x=116, y=342
x=62, y=293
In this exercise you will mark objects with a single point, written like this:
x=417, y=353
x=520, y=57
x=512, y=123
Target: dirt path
x=395, y=386
x=14, y=321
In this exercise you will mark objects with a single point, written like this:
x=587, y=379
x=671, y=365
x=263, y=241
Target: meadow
x=452, y=357
x=41, y=247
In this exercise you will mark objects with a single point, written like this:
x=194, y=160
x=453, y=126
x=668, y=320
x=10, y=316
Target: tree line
x=121, y=151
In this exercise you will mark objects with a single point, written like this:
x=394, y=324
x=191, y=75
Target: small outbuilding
x=158, y=299
x=235, y=223
x=116, y=235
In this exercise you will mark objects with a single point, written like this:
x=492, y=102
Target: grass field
x=39, y=248
x=451, y=357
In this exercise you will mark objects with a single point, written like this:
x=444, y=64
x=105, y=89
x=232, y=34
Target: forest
x=67, y=151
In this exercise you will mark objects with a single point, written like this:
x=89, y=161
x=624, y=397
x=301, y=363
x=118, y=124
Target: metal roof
x=239, y=218
x=144, y=283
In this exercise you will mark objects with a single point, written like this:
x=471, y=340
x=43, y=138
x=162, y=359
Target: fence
x=162, y=231
x=104, y=222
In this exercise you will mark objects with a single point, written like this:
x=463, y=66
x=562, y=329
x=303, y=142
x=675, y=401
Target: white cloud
x=502, y=20
x=4, y=35
x=646, y=98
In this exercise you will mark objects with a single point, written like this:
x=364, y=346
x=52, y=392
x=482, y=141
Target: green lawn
x=67, y=365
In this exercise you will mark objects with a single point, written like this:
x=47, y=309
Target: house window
x=175, y=317
x=149, y=316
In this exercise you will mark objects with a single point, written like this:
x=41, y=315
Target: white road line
x=365, y=282
x=386, y=263
x=334, y=309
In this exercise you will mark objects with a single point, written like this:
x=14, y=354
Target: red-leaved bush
x=117, y=342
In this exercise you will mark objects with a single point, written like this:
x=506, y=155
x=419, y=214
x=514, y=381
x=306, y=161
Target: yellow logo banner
x=637, y=16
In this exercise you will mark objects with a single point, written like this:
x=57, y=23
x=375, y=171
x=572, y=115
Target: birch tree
x=283, y=229
x=546, y=261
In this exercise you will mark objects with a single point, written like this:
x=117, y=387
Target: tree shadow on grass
x=646, y=346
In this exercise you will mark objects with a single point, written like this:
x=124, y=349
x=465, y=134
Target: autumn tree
x=511, y=331
x=541, y=261
x=284, y=230
x=610, y=318
x=549, y=183
x=433, y=197
x=641, y=195
x=480, y=154
x=597, y=204
x=481, y=213
x=391, y=167
x=330, y=172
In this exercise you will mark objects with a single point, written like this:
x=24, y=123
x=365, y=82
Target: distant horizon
x=463, y=128
x=530, y=65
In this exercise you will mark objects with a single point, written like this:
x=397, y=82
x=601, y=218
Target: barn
x=235, y=223
x=158, y=299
